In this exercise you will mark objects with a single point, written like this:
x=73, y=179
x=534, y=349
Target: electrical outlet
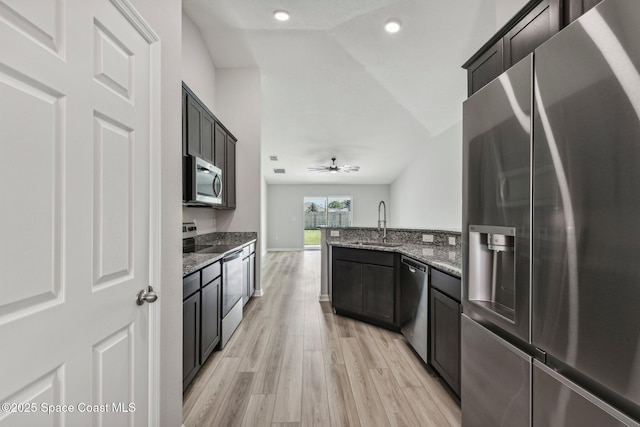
x=276, y=237
x=427, y=238
x=335, y=233
x=427, y=252
x=452, y=241
x=452, y=255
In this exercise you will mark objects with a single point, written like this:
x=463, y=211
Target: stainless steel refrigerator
x=551, y=232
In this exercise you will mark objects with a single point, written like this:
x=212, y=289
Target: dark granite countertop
x=196, y=261
x=445, y=258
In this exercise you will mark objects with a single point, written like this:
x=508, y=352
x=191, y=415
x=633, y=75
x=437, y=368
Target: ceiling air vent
x=278, y=170
x=273, y=158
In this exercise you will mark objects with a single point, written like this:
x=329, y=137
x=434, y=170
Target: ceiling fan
x=333, y=168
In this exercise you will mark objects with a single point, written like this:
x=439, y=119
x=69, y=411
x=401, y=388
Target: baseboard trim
x=323, y=297
x=285, y=250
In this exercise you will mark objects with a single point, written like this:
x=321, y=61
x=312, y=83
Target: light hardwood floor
x=292, y=362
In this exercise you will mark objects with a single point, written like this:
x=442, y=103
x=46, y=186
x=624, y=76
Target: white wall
x=238, y=92
x=428, y=194
x=264, y=191
x=198, y=70
x=199, y=73
x=164, y=17
x=285, y=209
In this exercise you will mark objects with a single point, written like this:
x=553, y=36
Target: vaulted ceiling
x=334, y=83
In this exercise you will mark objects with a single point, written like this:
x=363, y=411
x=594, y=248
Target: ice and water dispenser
x=492, y=270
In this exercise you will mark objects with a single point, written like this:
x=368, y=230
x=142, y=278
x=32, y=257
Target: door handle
x=146, y=296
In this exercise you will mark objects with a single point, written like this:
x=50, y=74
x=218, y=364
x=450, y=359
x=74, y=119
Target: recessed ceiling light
x=392, y=26
x=281, y=15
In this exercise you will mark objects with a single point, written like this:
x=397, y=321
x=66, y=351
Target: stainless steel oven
x=202, y=182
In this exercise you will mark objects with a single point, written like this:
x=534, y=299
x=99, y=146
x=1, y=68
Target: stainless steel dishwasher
x=414, y=305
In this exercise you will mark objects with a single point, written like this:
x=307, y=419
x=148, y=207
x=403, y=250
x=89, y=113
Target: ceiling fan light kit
x=333, y=168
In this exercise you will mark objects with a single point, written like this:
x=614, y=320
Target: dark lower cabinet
x=200, y=319
x=378, y=292
x=190, y=338
x=364, y=284
x=444, y=318
x=249, y=271
x=251, y=284
x=347, y=286
x=210, y=333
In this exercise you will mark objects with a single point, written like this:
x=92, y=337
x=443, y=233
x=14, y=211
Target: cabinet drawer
x=190, y=284
x=210, y=272
x=446, y=284
x=364, y=256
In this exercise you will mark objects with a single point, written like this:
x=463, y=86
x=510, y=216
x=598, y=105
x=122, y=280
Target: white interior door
x=75, y=124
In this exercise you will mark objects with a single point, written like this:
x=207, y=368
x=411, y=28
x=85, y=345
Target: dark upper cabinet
x=194, y=113
x=531, y=31
x=206, y=137
x=203, y=135
x=534, y=24
x=229, y=174
x=486, y=68
x=220, y=144
x=573, y=9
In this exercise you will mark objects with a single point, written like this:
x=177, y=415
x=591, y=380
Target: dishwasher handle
x=414, y=265
x=232, y=256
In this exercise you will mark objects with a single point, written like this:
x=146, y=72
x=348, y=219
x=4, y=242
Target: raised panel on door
x=347, y=285
x=210, y=319
x=190, y=338
x=445, y=338
x=77, y=110
x=252, y=274
x=194, y=116
x=206, y=137
x=220, y=147
x=574, y=9
x=245, y=277
x=230, y=176
x=484, y=69
x=532, y=30
x=378, y=292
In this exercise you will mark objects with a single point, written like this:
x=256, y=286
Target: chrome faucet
x=384, y=221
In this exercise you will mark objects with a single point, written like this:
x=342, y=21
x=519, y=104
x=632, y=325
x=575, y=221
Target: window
x=325, y=211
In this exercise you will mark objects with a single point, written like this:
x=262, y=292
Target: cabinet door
x=486, y=68
x=194, y=114
x=445, y=338
x=347, y=286
x=252, y=274
x=534, y=29
x=574, y=9
x=190, y=338
x=378, y=290
x=206, y=137
x=219, y=146
x=230, y=175
x=210, y=315
x=245, y=280
x=184, y=123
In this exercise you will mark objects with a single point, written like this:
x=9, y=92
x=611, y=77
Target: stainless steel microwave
x=202, y=182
